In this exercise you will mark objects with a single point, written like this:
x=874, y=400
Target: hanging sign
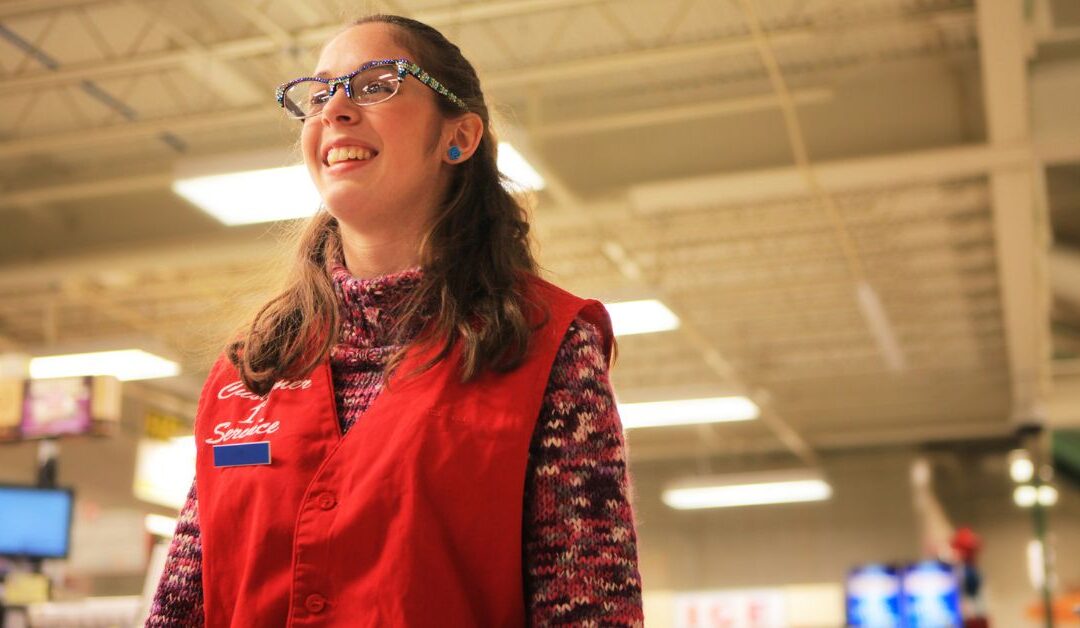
x=746, y=608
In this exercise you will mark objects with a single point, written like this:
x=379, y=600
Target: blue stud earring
x=454, y=153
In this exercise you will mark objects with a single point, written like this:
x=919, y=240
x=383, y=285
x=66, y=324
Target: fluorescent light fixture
x=1021, y=469
x=160, y=525
x=125, y=365
x=774, y=487
x=1047, y=495
x=251, y=196
x=518, y=169
x=1025, y=496
x=880, y=327
x=641, y=317
x=262, y=186
x=1036, y=568
x=687, y=412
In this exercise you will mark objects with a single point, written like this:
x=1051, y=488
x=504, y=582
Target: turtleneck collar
x=368, y=309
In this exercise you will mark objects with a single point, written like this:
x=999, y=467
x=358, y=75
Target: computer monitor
x=35, y=522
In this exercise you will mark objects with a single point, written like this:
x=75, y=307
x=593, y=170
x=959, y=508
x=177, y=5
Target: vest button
x=315, y=603
x=327, y=501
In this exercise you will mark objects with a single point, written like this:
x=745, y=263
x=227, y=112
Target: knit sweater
x=579, y=551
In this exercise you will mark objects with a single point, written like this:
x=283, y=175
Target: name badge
x=242, y=454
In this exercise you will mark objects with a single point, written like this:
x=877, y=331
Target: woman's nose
x=339, y=108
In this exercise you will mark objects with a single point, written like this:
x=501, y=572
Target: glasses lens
x=375, y=84
x=305, y=98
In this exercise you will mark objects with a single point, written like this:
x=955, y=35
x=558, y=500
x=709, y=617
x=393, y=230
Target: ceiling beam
x=1065, y=274
x=259, y=115
x=678, y=113
x=769, y=184
x=890, y=435
x=231, y=86
x=261, y=45
x=560, y=71
x=96, y=188
x=482, y=11
x=210, y=58
x=260, y=20
x=679, y=54
x=250, y=247
x=17, y=8
x=861, y=173
x=1022, y=249
x=137, y=131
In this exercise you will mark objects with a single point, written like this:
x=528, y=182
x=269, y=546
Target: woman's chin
x=351, y=210
x=346, y=199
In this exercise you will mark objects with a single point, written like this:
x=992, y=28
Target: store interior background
x=866, y=216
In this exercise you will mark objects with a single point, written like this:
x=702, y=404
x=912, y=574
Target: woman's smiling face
x=401, y=183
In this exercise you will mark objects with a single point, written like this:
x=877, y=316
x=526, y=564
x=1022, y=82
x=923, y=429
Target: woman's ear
x=464, y=133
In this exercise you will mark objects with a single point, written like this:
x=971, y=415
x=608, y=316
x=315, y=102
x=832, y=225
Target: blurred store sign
x=11, y=403
x=873, y=597
x=161, y=426
x=749, y=608
x=808, y=605
x=54, y=407
x=921, y=595
x=47, y=408
x=164, y=470
x=1065, y=609
x=931, y=596
x=24, y=588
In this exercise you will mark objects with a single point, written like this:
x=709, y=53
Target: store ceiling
x=671, y=174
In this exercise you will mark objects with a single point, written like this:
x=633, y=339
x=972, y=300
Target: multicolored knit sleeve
x=178, y=601
x=580, y=545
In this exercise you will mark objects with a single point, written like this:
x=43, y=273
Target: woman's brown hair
x=474, y=258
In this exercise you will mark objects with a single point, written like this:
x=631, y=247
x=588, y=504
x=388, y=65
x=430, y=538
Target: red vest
x=414, y=518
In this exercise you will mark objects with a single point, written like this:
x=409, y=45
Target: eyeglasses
x=370, y=84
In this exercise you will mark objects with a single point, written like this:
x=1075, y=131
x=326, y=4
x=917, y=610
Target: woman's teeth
x=347, y=152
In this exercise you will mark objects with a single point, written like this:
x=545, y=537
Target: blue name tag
x=242, y=454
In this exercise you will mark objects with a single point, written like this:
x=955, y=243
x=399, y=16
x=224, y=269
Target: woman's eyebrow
x=325, y=74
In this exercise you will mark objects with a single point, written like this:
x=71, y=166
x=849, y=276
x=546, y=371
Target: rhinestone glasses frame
x=404, y=68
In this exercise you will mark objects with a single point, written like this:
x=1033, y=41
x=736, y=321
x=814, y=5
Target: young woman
x=417, y=431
